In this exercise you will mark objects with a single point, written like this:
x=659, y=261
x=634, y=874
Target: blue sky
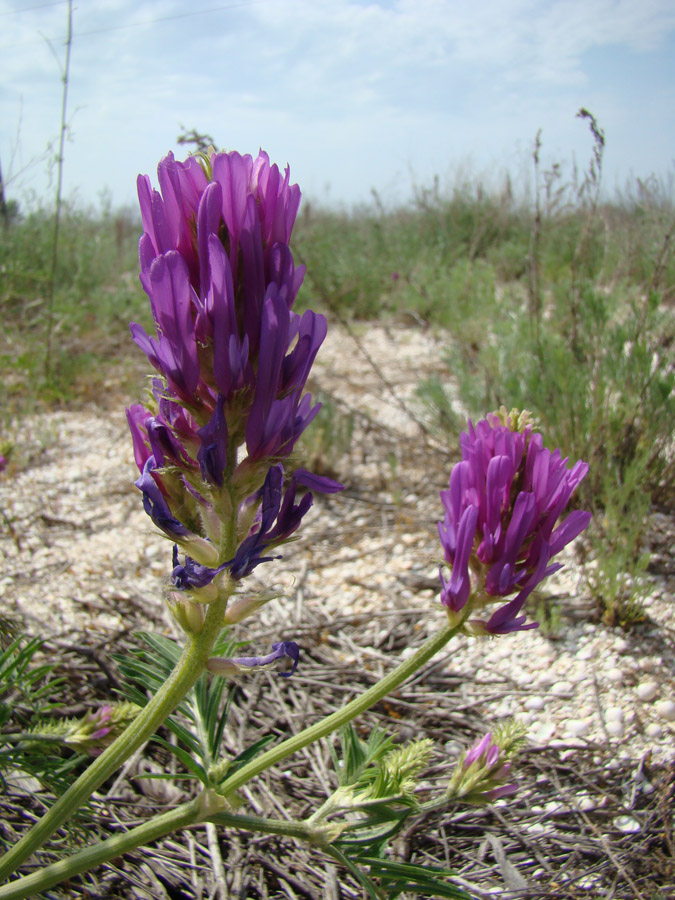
x=353, y=94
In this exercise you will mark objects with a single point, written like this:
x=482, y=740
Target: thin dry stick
x=59, y=183
x=333, y=306
x=615, y=861
x=217, y=862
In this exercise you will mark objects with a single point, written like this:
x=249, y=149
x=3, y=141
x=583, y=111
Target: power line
x=187, y=15
x=15, y=12
x=141, y=24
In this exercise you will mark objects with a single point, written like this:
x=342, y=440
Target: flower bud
x=484, y=771
x=188, y=614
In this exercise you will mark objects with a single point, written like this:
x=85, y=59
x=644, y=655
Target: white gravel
x=79, y=552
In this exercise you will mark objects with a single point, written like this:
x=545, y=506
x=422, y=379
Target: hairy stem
x=206, y=808
x=188, y=669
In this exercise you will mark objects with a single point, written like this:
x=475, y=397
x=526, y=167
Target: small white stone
x=615, y=676
x=614, y=727
x=577, y=727
x=553, y=807
x=614, y=713
x=627, y=824
x=654, y=730
x=588, y=881
x=620, y=645
x=586, y=803
x=666, y=709
x=535, y=703
x=578, y=675
x=542, y=732
x=562, y=687
x=647, y=690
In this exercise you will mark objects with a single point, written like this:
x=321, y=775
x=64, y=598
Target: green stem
x=45, y=878
x=188, y=669
x=207, y=807
x=342, y=716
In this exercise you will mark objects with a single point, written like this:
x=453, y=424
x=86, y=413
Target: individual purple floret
x=279, y=516
x=500, y=530
x=233, y=665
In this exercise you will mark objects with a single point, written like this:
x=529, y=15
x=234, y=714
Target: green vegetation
x=559, y=302
x=96, y=293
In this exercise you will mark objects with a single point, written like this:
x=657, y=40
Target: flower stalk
x=207, y=807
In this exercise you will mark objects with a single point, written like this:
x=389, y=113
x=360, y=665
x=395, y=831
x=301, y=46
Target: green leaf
x=358, y=756
x=398, y=877
x=357, y=872
x=250, y=753
x=166, y=648
x=188, y=761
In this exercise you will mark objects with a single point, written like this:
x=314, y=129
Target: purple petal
x=191, y=574
x=479, y=747
x=456, y=592
x=212, y=455
x=286, y=648
x=319, y=483
x=137, y=417
x=156, y=506
x=571, y=528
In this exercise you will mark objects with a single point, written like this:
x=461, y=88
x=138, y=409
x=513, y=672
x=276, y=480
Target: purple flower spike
x=229, y=402
x=497, y=540
x=482, y=773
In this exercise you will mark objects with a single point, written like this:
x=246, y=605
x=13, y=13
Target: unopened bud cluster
x=483, y=773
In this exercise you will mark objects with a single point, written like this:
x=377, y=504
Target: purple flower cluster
x=228, y=405
x=501, y=529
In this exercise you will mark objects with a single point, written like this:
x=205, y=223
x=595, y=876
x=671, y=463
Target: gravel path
x=80, y=556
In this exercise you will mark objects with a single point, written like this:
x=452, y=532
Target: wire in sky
x=14, y=12
x=119, y=27
x=185, y=15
